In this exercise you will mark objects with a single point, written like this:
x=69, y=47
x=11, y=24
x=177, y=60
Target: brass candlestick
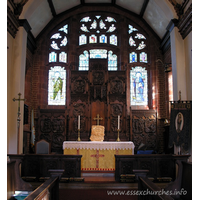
x=118, y=140
x=79, y=139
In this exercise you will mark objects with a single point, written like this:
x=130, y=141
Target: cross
x=97, y=155
x=18, y=119
x=97, y=118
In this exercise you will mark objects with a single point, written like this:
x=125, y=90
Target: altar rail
x=160, y=166
x=36, y=166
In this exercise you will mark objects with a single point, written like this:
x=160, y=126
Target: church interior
x=99, y=99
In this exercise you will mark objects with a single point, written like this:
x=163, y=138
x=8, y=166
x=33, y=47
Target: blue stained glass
x=138, y=86
x=84, y=61
x=112, y=61
x=85, y=19
x=131, y=29
x=98, y=53
x=103, y=39
x=94, y=25
x=52, y=57
x=133, y=57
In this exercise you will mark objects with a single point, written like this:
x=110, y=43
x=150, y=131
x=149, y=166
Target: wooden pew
x=181, y=188
x=35, y=166
x=160, y=166
x=49, y=189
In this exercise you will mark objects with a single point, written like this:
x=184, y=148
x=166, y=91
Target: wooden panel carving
x=144, y=128
x=52, y=128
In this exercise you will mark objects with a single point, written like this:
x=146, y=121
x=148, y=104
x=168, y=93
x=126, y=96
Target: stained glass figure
x=143, y=57
x=84, y=28
x=57, y=86
x=82, y=39
x=111, y=28
x=138, y=86
x=63, y=57
x=56, y=36
x=64, y=42
x=131, y=41
x=113, y=40
x=103, y=39
x=52, y=57
x=84, y=61
x=93, y=39
x=141, y=46
x=85, y=19
x=139, y=36
x=110, y=19
x=64, y=29
x=112, y=61
x=98, y=53
x=102, y=25
x=54, y=45
x=93, y=25
x=133, y=57
x=131, y=29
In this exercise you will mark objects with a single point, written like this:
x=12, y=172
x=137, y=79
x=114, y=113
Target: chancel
x=108, y=89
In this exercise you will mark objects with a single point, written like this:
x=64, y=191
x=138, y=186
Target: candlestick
x=79, y=122
x=118, y=140
x=118, y=122
x=79, y=139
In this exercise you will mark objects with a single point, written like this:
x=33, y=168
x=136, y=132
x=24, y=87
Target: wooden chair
x=42, y=147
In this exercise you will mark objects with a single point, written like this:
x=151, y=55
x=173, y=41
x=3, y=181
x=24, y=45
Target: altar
x=98, y=156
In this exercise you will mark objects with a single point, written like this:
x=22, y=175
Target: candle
x=79, y=122
x=118, y=121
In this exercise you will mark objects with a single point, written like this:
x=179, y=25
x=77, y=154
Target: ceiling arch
x=157, y=13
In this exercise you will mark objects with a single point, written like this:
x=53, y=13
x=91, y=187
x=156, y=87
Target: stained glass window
x=93, y=39
x=85, y=19
x=133, y=57
x=93, y=25
x=143, y=57
x=84, y=28
x=52, y=57
x=141, y=46
x=64, y=29
x=63, y=57
x=112, y=61
x=57, y=86
x=131, y=29
x=138, y=86
x=84, y=61
x=54, y=45
x=64, y=42
x=98, y=53
x=82, y=39
x=111, y=28
x=102, y=25
x=139, y=36
x=103, y=39
x=113, y=40
x=56, y=36
x=110, y=19
x=131, y=41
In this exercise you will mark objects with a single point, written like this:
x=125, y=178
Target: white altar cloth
x=98, y=145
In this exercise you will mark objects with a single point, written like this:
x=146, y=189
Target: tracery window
x=138, y=86
x=137, y=42
x=57, y=73
x=97, y=53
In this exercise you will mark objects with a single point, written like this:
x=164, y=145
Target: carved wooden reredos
x=98, y=90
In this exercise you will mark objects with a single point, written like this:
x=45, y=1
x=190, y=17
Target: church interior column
x=15, y=84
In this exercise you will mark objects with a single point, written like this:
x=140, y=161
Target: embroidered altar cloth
x=98, y=156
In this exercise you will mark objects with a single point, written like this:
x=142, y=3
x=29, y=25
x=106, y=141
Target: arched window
x=57, y=86
x=98, y=30
x=57, y=73
x=138, y=86
x=137, y=42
